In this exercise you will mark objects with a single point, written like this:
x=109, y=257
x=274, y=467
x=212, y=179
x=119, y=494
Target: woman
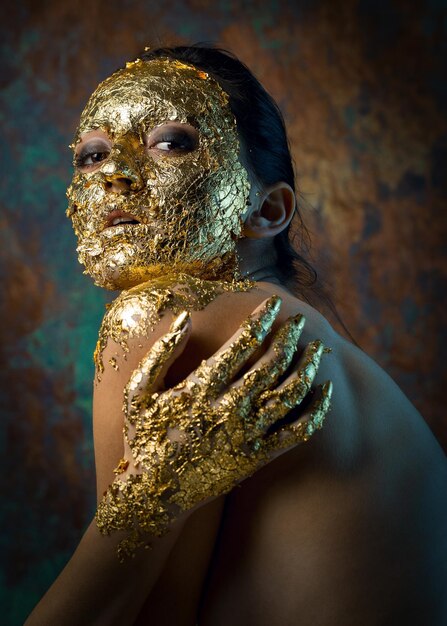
x=184, y=186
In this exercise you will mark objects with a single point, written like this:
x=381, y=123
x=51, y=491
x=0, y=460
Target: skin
x=188, y=205
x=346, y=529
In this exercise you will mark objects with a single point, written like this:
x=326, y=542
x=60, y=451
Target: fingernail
x=180, y=322
x=273, y=304
x=317, y=348
x=268, y=314
x=299, y=320
x=327, y=388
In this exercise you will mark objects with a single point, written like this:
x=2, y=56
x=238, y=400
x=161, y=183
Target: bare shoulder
x=369, y=410
x=131, y=325
x=351, y=523
x=356, y=516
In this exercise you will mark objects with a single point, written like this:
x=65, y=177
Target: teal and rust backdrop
x=361, y=86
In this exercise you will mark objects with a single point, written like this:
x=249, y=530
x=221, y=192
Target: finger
x=303, y=428
x=153, y=367
x=267, y=370
x=276, y=403
x=220, y=369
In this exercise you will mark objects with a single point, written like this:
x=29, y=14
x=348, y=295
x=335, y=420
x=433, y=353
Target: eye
x=91, y=154
x=174, y=140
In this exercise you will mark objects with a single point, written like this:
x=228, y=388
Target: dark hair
x=266, y=150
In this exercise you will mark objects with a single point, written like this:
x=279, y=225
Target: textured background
x=360, y=84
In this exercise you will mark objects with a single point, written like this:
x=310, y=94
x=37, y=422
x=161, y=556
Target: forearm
x=95, y=588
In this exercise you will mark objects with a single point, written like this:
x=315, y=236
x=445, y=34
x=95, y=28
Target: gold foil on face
x=189, y=206
x=198, y=440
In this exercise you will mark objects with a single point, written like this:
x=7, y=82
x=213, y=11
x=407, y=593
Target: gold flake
x=199, y=439
x=189, y=205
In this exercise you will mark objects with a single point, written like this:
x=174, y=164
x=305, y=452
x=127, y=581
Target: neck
x=257, y=260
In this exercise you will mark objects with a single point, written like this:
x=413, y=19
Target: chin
x=114, y=269
x=118, y=278
x=117, y=272
x=113, y=277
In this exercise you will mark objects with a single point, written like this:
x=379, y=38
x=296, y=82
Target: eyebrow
x=174, y=122
x=94, y=130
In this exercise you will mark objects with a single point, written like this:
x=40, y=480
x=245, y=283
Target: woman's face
x=158, y=185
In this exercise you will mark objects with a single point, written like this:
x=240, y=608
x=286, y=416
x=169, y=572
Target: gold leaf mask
x=165, y=157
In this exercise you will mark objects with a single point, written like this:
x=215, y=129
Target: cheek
x=84, y=198
x=84, y=193
x=182, y=182
x=184, y=176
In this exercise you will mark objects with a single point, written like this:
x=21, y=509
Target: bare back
x=347, y=528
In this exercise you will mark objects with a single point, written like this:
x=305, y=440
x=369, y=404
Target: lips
x=117, y=217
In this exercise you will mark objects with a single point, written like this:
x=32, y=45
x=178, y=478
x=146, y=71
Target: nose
x=119, y=183
x=121, y=174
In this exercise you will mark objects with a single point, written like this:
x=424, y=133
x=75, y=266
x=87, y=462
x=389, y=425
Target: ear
x=272, y=213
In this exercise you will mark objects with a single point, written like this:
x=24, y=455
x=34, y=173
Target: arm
x=366, y=515
x=94, y=587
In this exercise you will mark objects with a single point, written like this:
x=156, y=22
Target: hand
x=196, y=441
